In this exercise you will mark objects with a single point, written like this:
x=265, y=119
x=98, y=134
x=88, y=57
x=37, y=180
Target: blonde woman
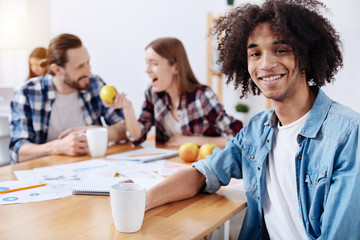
x=37, y=62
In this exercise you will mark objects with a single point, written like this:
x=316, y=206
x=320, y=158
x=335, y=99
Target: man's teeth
x=272, y=78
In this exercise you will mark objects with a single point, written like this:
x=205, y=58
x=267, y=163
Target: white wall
x=346, y=19
x=115, y=33
x=24, y=25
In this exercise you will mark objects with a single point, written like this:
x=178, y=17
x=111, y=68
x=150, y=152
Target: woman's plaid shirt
x=200, y=113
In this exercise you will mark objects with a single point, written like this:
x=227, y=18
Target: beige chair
x=6, y=94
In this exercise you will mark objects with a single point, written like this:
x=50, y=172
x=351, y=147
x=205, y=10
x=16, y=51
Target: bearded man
x=50, y=113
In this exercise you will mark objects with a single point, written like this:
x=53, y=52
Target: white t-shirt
x=172, y=127
x=281, y=206
x=66, y=112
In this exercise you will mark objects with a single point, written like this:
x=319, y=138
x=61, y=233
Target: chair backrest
x=4, y=141
x=6, y=94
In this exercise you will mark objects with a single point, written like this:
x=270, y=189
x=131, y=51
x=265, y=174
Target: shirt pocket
x=248, y=152
x=249, y=165
x=316, y=189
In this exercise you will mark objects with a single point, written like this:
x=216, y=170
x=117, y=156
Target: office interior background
x=115, y=33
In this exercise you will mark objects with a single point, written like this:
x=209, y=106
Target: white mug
x=127, y=202
x=97, y=140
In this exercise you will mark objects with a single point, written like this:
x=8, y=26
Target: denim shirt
x=327, y=170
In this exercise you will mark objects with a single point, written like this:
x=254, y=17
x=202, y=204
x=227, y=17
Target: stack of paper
x=145, y=155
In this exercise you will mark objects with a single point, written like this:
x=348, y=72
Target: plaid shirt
x=31, y=108
x=200, y=113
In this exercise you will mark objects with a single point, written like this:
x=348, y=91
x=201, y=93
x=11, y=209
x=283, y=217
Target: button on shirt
x=327, y=170
x=32, y=104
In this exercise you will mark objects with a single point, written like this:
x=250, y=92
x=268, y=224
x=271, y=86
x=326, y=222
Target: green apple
x=206, y=149
x=108, y=93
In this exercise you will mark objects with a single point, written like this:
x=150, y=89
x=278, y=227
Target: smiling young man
x=49, y=113
x=300, y=160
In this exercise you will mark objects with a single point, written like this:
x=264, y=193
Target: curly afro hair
x=316, y=44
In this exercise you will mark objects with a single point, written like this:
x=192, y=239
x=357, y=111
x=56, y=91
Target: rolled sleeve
x=21, y=128
x=212, y=182
x=113, y=116
x=15, y=149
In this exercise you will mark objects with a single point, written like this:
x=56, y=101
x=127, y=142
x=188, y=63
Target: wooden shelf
x=215, y=72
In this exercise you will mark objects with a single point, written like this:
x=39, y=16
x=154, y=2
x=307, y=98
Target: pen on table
x=22, y=188
x=146, y=154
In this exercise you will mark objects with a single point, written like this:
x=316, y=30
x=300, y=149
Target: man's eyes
x=276, y=51
x=281, y=50
x=254, y=54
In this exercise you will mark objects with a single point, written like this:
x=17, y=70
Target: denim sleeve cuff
x=212, y=182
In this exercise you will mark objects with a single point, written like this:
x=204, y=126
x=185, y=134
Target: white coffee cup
x=97, y=140
x=128, y=206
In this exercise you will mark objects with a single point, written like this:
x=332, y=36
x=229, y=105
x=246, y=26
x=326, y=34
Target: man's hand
x=77, y=130
x=72, y=144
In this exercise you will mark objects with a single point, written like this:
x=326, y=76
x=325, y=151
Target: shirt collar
x=51, y=92
x=316, y=117
x=49, y=86
x=317, y=114
x=272, y=119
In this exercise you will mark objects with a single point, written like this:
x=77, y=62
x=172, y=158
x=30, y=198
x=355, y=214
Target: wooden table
x=89, y=217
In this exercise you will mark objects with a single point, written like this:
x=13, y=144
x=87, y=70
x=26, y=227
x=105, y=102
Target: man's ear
x=56, y=69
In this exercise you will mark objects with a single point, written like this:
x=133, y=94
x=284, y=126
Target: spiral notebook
x=97, y=192
x=100, y=188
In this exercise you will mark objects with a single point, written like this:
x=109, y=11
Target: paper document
x=89, y=176
x=26, y=195
x=101, y=185
x=144, y=155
